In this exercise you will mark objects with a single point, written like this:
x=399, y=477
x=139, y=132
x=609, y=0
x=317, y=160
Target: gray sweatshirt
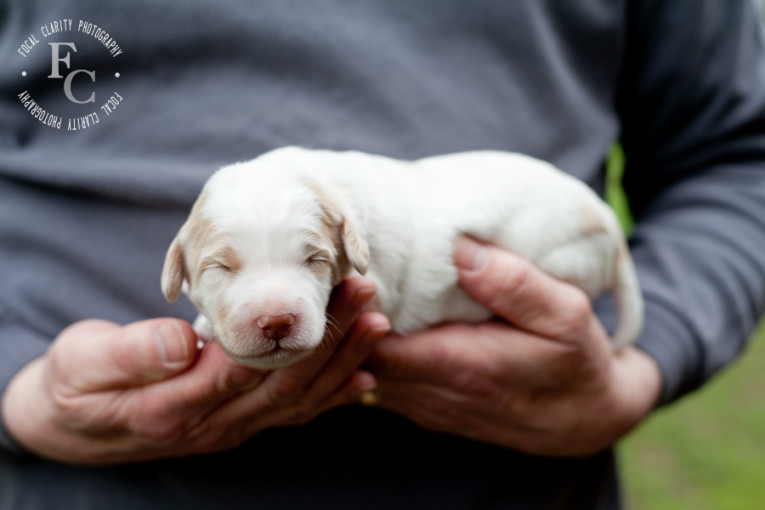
x=92, y=192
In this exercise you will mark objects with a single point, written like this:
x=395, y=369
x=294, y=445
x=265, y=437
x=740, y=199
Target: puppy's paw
x=204, y=331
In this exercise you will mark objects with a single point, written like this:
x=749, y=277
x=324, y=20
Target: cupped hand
x=105, y=393
x=542, y=378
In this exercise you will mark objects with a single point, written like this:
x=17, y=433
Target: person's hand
x=542, y=379
x=106, y=394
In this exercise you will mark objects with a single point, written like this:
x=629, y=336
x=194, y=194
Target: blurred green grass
x=706, y=451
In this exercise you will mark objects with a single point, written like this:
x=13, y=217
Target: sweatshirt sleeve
x=18, y=346
x=692, y=104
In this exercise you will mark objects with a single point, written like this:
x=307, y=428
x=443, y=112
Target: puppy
x=267, y=240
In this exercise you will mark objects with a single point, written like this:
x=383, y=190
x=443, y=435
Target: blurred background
x=707, y=450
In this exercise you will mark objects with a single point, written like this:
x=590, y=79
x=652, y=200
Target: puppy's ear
x=353, y=249
x=355, y=246
x=174, y=271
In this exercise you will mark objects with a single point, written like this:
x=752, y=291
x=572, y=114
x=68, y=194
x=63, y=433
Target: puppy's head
x=258, y=256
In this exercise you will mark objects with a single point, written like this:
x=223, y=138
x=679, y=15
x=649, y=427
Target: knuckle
x=576, y=315
x=158, y=424
x=86, y=326
x=282, y=393
x=508, y=286
x=78, y=412
x=68, y=408
x=580, y=308
x=516, y=279
x=474, y=384
x=161, y=429
x=211, y=441
x=299, y=415
x=237, y=378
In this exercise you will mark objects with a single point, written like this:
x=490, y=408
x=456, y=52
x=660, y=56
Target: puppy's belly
x=455, y=306
x=428, y=295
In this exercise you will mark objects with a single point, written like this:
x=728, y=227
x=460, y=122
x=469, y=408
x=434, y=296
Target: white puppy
x=268, y=239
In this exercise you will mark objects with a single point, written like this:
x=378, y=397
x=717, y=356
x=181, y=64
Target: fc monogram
x=57, y=59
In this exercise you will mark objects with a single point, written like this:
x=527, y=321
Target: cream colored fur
x=272, y=236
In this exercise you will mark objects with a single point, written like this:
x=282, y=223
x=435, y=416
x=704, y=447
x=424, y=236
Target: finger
x=273, y=404
x=215, y=379
x=284, y=386
x=122, y=357
x=452, y=354
x=429, y=405
x=431, y=354
x=345, y=305
x=210, y=383
x=520, y=292
x=368, y=329
x=440, y=410
x=440, y=352
x=359, y=388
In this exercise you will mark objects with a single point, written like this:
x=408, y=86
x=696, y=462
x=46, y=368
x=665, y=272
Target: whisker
x=331, y=322
x=326, y=345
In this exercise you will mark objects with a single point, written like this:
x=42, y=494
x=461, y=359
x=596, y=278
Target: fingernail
x=366, y=382
x=172, y=346
x=470, y=255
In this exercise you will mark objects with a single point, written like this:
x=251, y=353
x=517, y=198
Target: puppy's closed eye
x=225, y=260
x=320, y=262
x=317, y=259
x=214, y=265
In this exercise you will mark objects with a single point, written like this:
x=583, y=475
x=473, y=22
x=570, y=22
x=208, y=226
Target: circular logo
x=70, y=75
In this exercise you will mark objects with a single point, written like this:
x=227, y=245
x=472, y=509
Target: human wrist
x=636, y=388
x=23, y=406
x=27, y=412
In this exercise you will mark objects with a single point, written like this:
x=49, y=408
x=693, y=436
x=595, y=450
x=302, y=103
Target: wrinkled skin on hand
x=105, y=393
x=542, y=378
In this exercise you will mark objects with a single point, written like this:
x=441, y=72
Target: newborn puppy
x=268, y=239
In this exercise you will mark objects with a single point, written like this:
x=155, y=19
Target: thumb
x=92, y=356
x=519, y=292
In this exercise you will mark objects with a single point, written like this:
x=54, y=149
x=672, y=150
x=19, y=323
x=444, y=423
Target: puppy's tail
x=628, y=300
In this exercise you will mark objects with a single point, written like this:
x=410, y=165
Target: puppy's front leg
x=204, y=331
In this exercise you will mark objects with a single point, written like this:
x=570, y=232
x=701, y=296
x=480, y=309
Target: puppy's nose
x=275, y=327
